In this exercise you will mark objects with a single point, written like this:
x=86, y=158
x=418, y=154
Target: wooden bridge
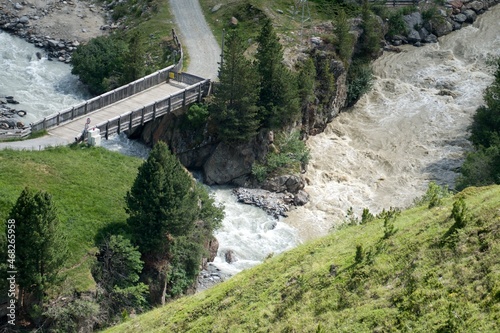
x=129, y=106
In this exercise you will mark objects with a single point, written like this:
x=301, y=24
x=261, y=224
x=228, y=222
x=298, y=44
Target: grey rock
x=475, y=5
x=53, y=43
x=230, y=257
x=423, y=33
x=431, y=39
x=216, y=7
x=316, y=40
x=24, y=20
x=413, y=36
x=301, y=198
x=460, y=18
x=285, y=183
x=18, y=6
x=470, y=15
x=442, y=28
x=456, y=25
x=413, y=20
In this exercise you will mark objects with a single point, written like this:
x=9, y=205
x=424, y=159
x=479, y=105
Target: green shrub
x=197, y=116
x=434, y=195
x=366, y=216
x=359, y=81
x=396, y=25
x=290, y=156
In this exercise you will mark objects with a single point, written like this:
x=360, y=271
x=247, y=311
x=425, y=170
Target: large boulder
x=441, y=27
x=413, y=36
x=470, y=15
x=413, y=21
x=285, y=183
x=232, y=163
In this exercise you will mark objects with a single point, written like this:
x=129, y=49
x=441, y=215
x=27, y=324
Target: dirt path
x=196, y=38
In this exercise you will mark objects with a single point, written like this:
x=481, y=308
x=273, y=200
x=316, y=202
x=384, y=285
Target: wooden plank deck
x=74, y=128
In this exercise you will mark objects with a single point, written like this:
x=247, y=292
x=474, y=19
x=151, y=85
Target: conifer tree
x=40, y=244
x=278, y=100
x=370, y=38
x=234, y=110
x=344, y=39
x=306, y=82
x=170, y=215
x=160, y=202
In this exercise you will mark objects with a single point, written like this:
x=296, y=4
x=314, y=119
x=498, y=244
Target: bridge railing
x=150, y=112
x=103, y=100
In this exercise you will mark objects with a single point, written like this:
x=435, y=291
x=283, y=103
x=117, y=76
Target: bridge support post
x=170, y=103
x=184, y=98
x=107, y=130
x=142, y=115
x=199, y=93
x=119, y=124
x=154, y=111
x=130, y=123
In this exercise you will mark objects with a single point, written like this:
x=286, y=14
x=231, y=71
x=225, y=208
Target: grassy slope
x=288, y=24
x=88, y=186
x=411, y=281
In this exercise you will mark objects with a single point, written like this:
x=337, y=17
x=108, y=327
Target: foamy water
x=410, y=129
x=42, y=87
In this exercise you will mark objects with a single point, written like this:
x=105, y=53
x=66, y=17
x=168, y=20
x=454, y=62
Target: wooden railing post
x=72, y=113
x=130, y=123
x=154, y=111
x=58, y=116
x=44, y=122
x=119, y=124
x=86, y=106
x=142, y=115
x=107, y=130
x=169, y=103
x=199, y=93
x=184, y=98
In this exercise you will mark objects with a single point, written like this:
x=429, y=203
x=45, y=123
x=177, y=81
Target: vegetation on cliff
x=422, y=270
x=482, y=166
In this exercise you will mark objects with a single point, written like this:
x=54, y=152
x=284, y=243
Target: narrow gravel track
x=197, y=38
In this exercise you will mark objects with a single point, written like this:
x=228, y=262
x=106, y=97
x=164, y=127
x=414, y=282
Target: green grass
x=88, y=186
x=415, y=280
x=250, y=14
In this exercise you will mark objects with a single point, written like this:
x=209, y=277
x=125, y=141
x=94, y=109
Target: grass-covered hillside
x=428, y=270
x=88, y=186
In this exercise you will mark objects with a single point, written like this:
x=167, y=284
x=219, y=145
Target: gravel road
x=197, y=38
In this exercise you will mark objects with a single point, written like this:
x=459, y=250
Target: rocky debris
x=459, y=13
x=233, y=21
x=209, y=277
x=18, y=19
x=9, y=117
x=284, y=183
x=274, y=204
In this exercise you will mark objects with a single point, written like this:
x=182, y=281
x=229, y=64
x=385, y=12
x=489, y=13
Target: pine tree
x=40, y=244
x=160, y=202
x=169, y=215
x=234, y=110
x=307, y=82
x=344, y=39
x=370, y=38
x=278, y=100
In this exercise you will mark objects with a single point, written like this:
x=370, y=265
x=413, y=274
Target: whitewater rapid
x=411, y=128
x=41, y=87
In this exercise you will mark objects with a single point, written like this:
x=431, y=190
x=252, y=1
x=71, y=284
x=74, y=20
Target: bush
x=359, y=81
x=291, y=156
x=433, y=196
x=197, y=116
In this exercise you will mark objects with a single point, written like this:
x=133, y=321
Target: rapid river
x=381, y=153
x=410, y=129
